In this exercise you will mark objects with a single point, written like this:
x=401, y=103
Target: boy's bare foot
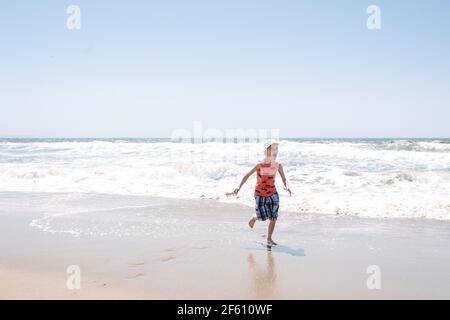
x=252, y=222
x=270, y=242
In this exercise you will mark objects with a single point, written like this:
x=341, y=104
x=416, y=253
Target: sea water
x=391, y=178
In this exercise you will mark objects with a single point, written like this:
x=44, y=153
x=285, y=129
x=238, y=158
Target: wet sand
x=156, y=248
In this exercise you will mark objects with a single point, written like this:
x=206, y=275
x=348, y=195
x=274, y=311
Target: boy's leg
x=252, y=222
x=271, y=227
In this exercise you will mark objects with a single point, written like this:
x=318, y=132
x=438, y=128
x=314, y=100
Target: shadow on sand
x=299, y=252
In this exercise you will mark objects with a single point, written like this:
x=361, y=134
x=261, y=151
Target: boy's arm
x=283, y=178
x=244, y=180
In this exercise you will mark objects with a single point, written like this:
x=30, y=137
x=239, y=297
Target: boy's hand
x=289, y=191
x=234, y=193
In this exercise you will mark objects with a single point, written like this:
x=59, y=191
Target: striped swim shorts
x=267, y=207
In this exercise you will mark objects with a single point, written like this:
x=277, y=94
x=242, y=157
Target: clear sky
x=146, y=68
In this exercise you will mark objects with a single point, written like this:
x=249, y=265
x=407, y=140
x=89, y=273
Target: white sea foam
x=372, y=178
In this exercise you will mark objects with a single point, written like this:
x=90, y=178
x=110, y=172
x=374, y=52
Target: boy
x=266, y=195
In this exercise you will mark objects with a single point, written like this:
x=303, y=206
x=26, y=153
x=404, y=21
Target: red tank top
x=265, y=179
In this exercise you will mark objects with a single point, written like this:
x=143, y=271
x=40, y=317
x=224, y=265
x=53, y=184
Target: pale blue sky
x=145, y=68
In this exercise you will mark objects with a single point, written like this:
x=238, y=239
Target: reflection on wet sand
x=263, y=279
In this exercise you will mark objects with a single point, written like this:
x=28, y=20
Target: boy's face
x=272, y=151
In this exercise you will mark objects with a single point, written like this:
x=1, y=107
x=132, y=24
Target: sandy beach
x=130, y=247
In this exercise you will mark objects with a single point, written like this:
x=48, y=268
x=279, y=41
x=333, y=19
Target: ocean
x=380, y=178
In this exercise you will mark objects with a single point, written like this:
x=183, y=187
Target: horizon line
x=169, y=138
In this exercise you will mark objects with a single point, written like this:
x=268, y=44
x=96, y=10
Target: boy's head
x=271, y=149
